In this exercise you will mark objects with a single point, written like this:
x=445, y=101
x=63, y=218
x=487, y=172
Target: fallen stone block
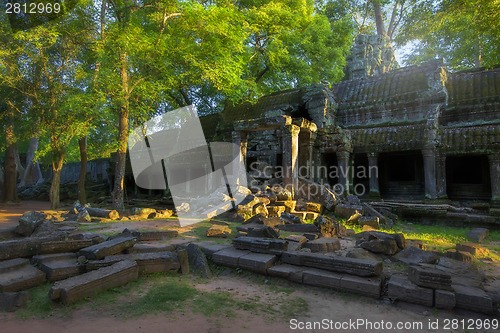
x=153, y=262
x=345, y=211
x=29, y=222
x=23, y=248
x=321, y=278
x=272, y=221
x=289, y=272
x=414, y=255
x=474, y=249
x=64, y=246
x=477, y=235
x=198, y=263
x=260, y=208
x=329, y=227
x=323, y=245
x=59, y=266
x=107, y=248
x=183, y=260
x=261, y=245
x=289, y=205
x=75, y=288
x=18, y=274
x=150, y=248
x=263, y=232
x=359, y=285
x=459, y=256
x=291, y=218
x=373, y=222
x=378, y=235
x=314, y=207
x=257, y=262
x=382, y=246
x=401, y=289
x=444, y=299
x=360, y=253
x=10, y=302
x=210, y=248
x=475, y=299
x=339, y=264
x=256, y=219
x=275, y=211
x=298, y=227
x=427, y=276
x=229, y=256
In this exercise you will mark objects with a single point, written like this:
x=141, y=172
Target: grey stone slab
x=360, y=267
x=257, y=262
x=64, y=246
x=444, y=299
x=153, y=262
x=12, y=301
x=229, y=256
x=210, y=248
x=107, y=248
x=18, y=274
x=86, y=285
x=402, y=289
x=290, y=272
x=359, y=285
x=261, y=245
x=428, y=276
x=323, y=245
x=321, y=278
x=475, y=299
x=59, y=266
x=150, y=248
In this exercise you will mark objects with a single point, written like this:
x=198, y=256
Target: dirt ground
x=322, y=304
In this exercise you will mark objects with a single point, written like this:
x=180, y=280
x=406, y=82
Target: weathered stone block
x=272, y=221
x=289, y=205
x=323, y=245
x=10, y=302
x=59, y=266
x=261, y=245
x=275, y=211
x=314, y=207
x=28, y=223
x=345, y=211
x=382, y=246
x=321, y=278
x=210, y=248
x=444, y=299
x=229, y=256
x=263, y=232
x=414, y=255
x=256, y=219
x=150, y=236
x=333, y=263
x=363, y=286
x=459, y=255
x=88, y=284
x=474, y=249
x=373, y=222
x=18, y=274
x=183, y=257
x=107, y=248
x=290, y=272
x=360, y=253
x=292, y=218
x=257, y=262
x=427, y=276
x=298, y=227
x=218, y=231
x=150, y=248
x=401, y=289
x=198, y=263
x=477, y=235
x=475, y=299
x=64, y=246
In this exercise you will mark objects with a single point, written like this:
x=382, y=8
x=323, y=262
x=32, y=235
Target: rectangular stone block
x=402, y=289
x=289, y=272
x=64, y=246
x=75, y=288
x=23, y=248
x=321, y=278
x=229, y=256
x=59, y=266
x=298, y=227
x=359, y=285
x=150, y=248
x=18, y=274
x=427, y=276
x=153, y=262
x=261, y=245
x=475, y=299
x=209, y=248
x=444, y=299
x=107, y=248
x=360, y=267
x=257, y=262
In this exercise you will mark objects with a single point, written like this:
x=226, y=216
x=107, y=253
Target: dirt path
x=10, y=212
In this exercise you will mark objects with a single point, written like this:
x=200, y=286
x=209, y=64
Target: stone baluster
x=240, y=149
x=344, y=169
x=429, y=156
x=290, y=157
x=373, y=175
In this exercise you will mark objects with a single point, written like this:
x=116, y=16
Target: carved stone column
x=429, y=156
x=494, y=160
x=240, y=141
x=290, y=157
x=373, y=175
x=343, y=164
x=441, y=176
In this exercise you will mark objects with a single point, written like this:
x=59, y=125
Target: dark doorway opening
x=361, y=174
x=401, y=175
x=468, y=177
x=328, y=169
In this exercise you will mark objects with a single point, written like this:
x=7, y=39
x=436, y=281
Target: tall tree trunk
x=10, y=172
x=82, y=195
x=19, y=166
x=379, y=18
x=27, y=178
x=118, y=190
x=57, y=164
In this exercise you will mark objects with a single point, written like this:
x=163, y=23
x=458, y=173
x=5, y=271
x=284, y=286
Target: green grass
x=294, y=307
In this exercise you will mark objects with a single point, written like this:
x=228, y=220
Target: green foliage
x=466, y=33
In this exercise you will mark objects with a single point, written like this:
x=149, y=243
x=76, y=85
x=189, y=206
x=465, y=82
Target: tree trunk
x=118, y=190
x=10, y=172
x=82, y=195
x=28, y=177
x=379, y=18
x=19, y=166
x=57, y=164
x=99, y=212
